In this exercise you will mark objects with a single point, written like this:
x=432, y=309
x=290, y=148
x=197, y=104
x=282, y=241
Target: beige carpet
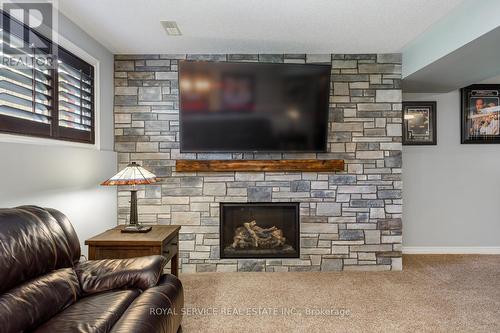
x=433, y=294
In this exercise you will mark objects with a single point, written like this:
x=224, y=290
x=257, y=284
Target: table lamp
x=133, y=174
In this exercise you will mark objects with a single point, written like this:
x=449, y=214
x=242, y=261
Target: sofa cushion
x=158, y=309
x=36, y=301
x=101, y=275
x=95, y=313
x=32, y=243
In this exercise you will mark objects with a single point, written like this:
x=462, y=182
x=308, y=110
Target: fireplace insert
x=259, y=230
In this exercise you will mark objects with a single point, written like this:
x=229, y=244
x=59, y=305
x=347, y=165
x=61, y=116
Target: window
x=52, y=98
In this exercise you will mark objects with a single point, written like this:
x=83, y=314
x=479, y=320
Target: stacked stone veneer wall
x=349, y=220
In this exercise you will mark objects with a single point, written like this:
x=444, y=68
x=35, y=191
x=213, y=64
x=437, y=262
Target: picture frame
x=480, y=114
x=419, y=123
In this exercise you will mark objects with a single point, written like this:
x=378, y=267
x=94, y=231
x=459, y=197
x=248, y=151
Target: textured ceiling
x=252, y=26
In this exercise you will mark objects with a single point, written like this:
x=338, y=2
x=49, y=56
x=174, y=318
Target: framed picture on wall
x=480, y=112
x=419, y=123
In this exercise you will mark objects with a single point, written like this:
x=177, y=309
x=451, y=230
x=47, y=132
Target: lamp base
x=135, y=228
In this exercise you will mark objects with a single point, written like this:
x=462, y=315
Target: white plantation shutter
x=25, y=90
x=75, y=96
x=53, y=101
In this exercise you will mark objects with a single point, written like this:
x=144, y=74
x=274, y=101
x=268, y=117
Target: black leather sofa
x=44, y=287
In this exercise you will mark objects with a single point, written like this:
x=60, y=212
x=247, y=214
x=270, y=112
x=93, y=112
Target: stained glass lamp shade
x=133, y=174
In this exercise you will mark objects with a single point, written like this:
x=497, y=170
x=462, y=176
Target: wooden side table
x=113, y=244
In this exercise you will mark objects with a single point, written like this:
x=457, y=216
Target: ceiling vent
x=171, y=28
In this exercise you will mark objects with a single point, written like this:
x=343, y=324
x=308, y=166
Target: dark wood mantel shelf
x=259, y=165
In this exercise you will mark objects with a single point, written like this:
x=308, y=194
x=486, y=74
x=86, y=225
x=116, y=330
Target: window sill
x=13, y=138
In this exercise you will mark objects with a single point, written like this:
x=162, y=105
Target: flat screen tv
x=253, y=107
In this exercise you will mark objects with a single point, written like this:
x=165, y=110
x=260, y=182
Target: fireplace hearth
x=259, y=230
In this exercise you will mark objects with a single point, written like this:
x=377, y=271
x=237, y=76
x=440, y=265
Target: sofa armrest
x=134, y=273
x=158, y=309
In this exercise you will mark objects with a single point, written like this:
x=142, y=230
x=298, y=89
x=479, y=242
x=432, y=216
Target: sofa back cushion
x=34, y=241
x=30, y=304
x=69, y=231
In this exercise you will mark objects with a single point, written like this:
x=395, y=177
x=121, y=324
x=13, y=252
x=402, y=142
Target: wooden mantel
x=259, y=165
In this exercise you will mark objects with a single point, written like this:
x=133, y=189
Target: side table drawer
x=115, y=252
x=170, y=248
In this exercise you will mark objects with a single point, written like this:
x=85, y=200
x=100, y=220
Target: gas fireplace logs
x=251, y=235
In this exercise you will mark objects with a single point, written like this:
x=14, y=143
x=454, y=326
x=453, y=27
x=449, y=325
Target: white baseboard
x=451, y=250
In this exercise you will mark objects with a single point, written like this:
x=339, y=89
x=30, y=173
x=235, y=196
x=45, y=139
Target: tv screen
x=257, y=107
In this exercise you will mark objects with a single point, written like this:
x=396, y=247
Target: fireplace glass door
x=259, y=230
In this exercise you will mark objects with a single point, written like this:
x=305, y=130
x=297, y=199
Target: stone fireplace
x=259, y=230
x=349, y=220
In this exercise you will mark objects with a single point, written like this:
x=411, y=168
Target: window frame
x=27, y=128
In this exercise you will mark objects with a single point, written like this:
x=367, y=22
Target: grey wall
x=349, y=221
x=452, y=191
x=464, y=66
x=62, y=176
